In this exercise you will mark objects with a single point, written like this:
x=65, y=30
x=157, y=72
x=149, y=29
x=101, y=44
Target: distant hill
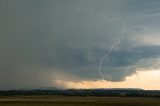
x=118, y=89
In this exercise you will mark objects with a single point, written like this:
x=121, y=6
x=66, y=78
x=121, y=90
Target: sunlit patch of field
x=76, y=101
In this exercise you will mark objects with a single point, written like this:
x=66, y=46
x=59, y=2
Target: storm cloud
x=46, y=40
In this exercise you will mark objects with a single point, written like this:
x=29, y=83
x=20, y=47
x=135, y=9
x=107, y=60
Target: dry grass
x=76, y=101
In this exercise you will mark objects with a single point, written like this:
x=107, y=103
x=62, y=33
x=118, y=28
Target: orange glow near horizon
x=148, y=80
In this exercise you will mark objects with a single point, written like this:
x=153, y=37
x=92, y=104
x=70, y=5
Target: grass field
x=76, y=101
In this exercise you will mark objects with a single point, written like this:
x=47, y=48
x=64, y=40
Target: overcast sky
x=42, y=41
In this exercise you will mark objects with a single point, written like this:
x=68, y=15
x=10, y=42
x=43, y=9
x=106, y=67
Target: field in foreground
x=76, y=101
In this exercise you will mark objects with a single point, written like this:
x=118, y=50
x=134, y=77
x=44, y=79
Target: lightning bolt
x=116, y=19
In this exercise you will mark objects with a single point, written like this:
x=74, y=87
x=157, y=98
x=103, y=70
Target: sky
x=79, y=44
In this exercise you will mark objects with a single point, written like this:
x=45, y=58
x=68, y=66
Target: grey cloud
x=42, y=38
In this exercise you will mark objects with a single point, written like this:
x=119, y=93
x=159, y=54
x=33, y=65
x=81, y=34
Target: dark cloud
x=45, y=40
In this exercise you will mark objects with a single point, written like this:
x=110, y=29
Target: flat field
x=76, y=101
